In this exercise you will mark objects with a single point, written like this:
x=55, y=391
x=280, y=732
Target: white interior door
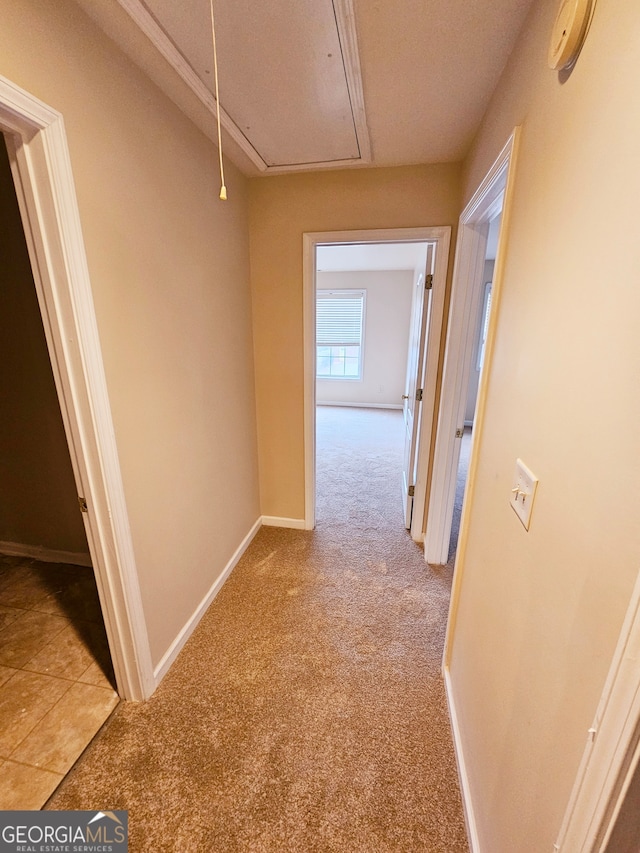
x=414, y=387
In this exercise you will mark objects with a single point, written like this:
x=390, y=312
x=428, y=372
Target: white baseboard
x=360, y=405
x=275, y=521
x=45, y=555
x=174, y=649
x=465, y=788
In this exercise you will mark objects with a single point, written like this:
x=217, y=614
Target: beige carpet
x=307, y=711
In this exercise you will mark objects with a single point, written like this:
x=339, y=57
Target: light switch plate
x=523, y=492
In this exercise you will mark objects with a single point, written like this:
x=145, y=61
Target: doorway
x=41, y=170
x=493, y=197
x=318, y=249
x=478, y=335
x=365, y=299
x=469, y=297
x=56, y=677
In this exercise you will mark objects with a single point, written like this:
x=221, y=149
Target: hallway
x=307, y=711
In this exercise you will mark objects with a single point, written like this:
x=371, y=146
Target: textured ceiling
x=429, y=68
x=309, y=84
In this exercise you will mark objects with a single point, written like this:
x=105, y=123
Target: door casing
x=494, y=193
x=464, y=307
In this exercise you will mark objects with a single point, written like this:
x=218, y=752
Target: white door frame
x=441, y=237
x=42, y=175
x=466, y=294
x=494, y=193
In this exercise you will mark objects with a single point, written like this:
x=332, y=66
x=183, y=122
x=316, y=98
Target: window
x=339, y=325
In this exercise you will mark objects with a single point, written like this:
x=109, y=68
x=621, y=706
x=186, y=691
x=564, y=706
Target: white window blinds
x=339, y=317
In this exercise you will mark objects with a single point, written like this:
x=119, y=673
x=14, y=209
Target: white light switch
x=523, y=492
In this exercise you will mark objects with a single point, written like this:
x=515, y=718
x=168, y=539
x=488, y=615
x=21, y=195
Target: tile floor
x=56, y=680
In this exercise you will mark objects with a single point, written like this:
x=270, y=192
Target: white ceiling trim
x=161, y=41
x=345, y=20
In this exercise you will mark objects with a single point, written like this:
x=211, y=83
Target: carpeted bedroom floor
x=307, y=711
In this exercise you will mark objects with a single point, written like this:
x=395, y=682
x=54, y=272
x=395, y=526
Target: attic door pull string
x=223, y=189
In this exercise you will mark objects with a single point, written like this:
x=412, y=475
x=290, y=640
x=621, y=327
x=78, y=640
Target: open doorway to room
x=364, y=303
x=469, y=306
x=478, y=336
x=42, y=177
x=56, y=676
x=374, y=284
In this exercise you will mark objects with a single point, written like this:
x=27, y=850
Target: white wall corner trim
x=45, y=555
x=463, y=776
x=277, y=521
x=41, y=168
x=189, y=627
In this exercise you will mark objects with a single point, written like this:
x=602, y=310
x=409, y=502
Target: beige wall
x=170, y=275
x=386, y=337
x=540, y=612
x=38, y=497
x=281, y=210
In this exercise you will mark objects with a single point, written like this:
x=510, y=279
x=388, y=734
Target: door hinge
x=412, y=491
x=82, y=502
x=459, y=433
x=428, y=282
x=419, y=395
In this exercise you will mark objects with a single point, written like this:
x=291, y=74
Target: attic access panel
x=283, y=71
